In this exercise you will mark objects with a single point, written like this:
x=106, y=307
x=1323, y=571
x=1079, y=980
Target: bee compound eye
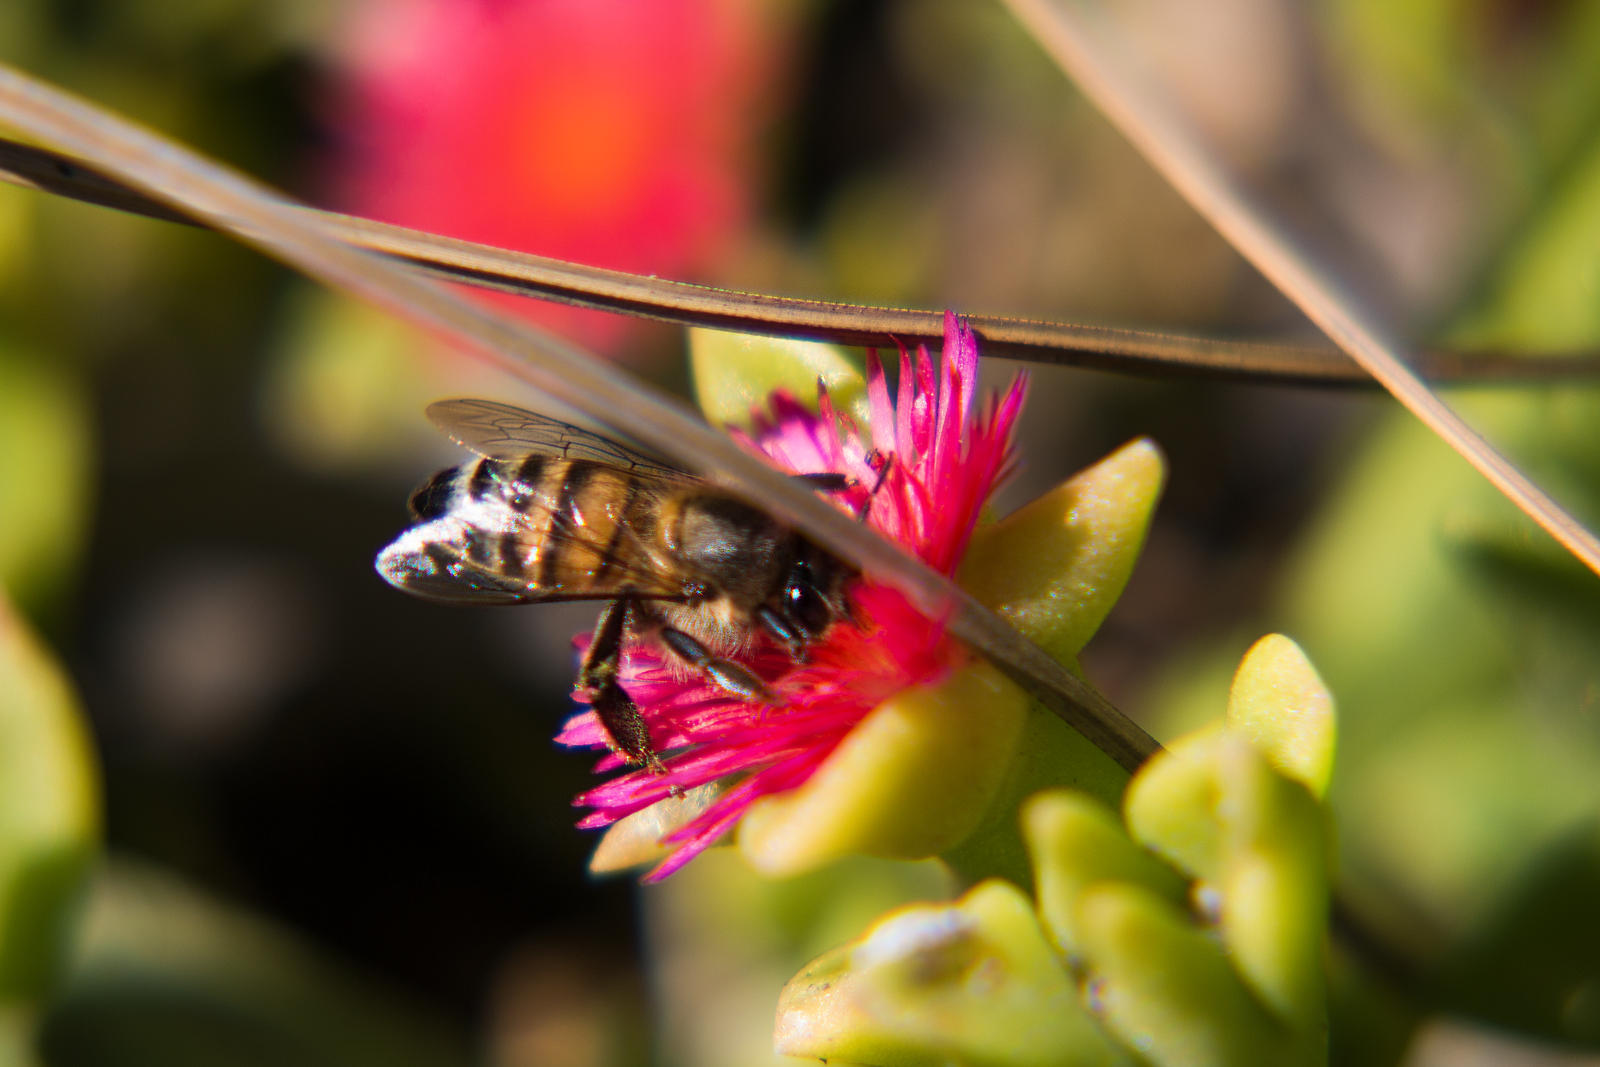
x=807, y=606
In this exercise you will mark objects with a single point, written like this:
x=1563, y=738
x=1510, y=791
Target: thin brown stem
x=1152, y=353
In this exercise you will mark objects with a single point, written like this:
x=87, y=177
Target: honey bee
x=550, y=511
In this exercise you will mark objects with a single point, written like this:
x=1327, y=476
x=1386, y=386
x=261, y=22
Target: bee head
x=805, y=602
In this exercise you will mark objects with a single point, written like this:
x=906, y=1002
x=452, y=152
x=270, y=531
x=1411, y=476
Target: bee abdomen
x=434, y=499
x=578, y=529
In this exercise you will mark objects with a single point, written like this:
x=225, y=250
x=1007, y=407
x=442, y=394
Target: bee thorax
x=730, y=547
x=717, y=623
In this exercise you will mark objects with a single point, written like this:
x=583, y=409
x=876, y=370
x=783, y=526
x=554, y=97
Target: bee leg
x=625, y=727
x=883, y=476
x=835, y=482
x=827, y=481
x=727, y=675
x=778, y=627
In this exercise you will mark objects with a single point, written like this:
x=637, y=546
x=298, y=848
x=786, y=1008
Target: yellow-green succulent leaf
x=640, y=839
x=1050, y=754
x=1075, y=843
x=1054, y=567
x=49, y=812
x=973, y=982
x=1170, y=805
x=1274, y=886
x=19, y=1035
x=348, y=383
x=735, y=372
x=46, y=465
x=1166, y=988
x=914, y=777
x=1280, y=703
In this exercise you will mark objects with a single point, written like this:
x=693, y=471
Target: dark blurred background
x=336, y=828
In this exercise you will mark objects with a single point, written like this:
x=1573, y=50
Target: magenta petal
x=880, y=409
x=922, y=410
x=964, y=359
x=905, y=406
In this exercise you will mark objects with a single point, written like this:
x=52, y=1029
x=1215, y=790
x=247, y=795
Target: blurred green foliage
x=46, y=459
x=1459, y=639
x=49, y=814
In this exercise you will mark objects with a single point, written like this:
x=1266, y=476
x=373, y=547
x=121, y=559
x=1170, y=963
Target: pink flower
x=607, y=132
x=938, y=465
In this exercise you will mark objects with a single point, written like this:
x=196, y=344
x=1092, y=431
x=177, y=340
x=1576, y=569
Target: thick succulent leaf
x=1075, y=843
x=1214, y=957
x=1167, y=988
x=49, y=812
x=1281, y=705
x=45, y=465
x=1054, y=567
x=912, y=779
x=639, y=839
x=736, y=372
x=1171, y=805
x=973, y=982
x=1049, y=755
x=1273, y=885
x=1256, y=842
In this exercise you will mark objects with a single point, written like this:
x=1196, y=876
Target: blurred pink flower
x=945, y=464
x=607, y=132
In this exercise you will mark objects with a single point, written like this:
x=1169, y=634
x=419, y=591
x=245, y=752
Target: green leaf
x=1220, y=811
x=49, y=812
x=1281, y=705
x=1544, y=294
x=1166, y=987
x=1050, y=754
x=1170, y=806
x=1075, y=843
x=45, y=462
x=1054, y=567
x=972, y=982
x=914, y=777
x=735, y=372
x=1243, y=982
x=1273, y=885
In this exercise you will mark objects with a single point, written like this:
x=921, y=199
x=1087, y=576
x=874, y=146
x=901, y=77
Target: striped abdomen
x=559, y=528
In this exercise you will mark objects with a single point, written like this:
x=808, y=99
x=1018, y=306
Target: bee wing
x=501, y=430
x=440, y=572
x=516, y=543
x=433, y=567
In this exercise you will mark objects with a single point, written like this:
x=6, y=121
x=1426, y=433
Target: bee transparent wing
x=434, y=569
x=441, y=571
x=501, y=540
x=501, y=430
